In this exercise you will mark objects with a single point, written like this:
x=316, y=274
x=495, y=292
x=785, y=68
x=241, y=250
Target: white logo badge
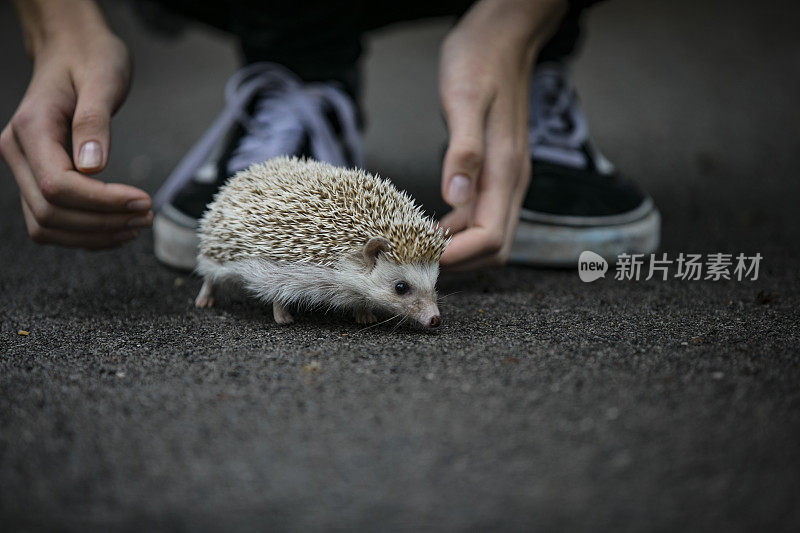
x=591, y=266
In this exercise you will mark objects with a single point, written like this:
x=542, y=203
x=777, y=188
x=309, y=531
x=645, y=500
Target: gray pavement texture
x=543, y=402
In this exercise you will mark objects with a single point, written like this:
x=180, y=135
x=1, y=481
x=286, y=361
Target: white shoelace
x=558, y=128
x=286, y=110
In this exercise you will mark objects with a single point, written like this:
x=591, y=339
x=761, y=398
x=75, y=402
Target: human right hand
x=60, y=134
x=484, y=76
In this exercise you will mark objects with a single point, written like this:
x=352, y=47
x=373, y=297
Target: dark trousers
x=322, y=40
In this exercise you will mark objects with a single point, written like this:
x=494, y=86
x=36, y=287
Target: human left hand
x=484, y=74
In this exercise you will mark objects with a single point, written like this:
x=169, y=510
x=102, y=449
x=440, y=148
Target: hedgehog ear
x=374, y=246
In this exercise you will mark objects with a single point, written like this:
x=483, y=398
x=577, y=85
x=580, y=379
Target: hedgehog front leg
x=364, y=316
x=281, y=314
x=205, y=298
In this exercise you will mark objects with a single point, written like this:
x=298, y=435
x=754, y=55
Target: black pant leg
x=321, y=40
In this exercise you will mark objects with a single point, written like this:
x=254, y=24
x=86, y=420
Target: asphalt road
x=542, y=402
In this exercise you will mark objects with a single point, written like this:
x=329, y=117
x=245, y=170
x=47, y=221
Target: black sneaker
x=576, y=200
x=269, y=112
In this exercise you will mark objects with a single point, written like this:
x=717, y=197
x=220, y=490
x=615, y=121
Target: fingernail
x=138, y=205
x=125, y=235
x=91, y=155
x=140, y=222
x=458, y=190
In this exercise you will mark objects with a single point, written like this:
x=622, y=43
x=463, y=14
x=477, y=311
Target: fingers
x=73, y=190
x=49, y=216
x=50, y=223
x=511, y=225
x=91, y=126
x=502, y=184
x=100, y=89
x=466, y=121
x=477, y=247
x=458, y=219
x=77, y=239
x=39, y=150
x=486, y=231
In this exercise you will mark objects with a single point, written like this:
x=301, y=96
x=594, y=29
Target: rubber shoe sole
x=175, y=240
x=553, y=245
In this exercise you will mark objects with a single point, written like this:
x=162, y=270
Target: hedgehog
x=303, y=233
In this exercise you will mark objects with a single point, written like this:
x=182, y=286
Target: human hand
x=485, y=68
x=60, y=134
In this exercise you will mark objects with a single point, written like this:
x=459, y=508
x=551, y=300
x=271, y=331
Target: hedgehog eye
x=401, y=287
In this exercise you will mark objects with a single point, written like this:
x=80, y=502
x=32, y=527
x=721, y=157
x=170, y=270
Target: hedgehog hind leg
x=281, y=314
x=205, y=298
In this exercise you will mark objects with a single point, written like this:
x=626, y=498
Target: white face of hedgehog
x=406, y=289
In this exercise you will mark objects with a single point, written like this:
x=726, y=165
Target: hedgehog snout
x=429, y=317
